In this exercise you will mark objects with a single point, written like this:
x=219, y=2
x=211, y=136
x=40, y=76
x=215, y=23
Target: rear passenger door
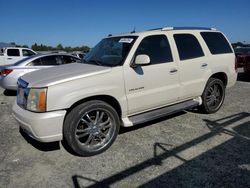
x=13, y=55
x=193, y=66
x=156, y=84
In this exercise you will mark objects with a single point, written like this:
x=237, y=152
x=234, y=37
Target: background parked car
x=78, y=54
x=241, y=54
x=247, y=65
x=11, y=73
x=11, y=55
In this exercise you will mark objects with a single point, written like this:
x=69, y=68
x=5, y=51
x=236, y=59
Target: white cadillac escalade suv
x=125, y=80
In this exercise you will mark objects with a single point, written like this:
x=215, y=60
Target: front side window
x=70, y=59
x=157, y=48
x=188, y=46
x=51, y=60
x=216, y=43
x=27, y=52
x=110, y=51
x=47, y=61
x=13, y=52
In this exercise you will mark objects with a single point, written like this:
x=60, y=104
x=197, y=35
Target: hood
x=62, y=73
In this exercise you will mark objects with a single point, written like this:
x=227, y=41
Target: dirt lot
x=185, y=150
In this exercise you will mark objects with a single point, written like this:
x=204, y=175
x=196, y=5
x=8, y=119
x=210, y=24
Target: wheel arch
x=221, y=76
x=105, y=98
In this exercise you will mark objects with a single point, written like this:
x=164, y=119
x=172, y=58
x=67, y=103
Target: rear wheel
x=91, y=128
x=213, y=96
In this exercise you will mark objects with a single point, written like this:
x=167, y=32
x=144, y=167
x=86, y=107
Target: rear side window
x=188, y=46
x=36, y=62
x=216, y=43
x=13, y=52
x=157, y=48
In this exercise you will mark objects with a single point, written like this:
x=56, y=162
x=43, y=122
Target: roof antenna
x=133, y=30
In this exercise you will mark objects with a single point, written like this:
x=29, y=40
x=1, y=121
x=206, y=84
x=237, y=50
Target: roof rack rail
x=154, y=29
x=187, y=28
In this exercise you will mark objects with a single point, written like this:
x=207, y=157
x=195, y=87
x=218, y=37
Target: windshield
x=110, y=51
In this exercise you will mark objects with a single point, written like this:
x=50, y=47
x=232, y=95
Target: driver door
x=156, y=84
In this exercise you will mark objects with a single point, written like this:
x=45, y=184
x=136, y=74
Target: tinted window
x=70, y=59
x=216, y=43
x=51, y=60
x=188, y=46
x=47, y=61
x=36, y=62
x=13, y=52
x=27, y=53
x=157, y=48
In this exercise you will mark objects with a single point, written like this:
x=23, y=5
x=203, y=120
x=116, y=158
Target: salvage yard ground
x=185, y=150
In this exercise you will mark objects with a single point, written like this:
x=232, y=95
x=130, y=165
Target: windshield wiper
x=96, y=62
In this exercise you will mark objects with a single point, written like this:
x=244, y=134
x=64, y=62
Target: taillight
x=236, y=64
x=5, y=72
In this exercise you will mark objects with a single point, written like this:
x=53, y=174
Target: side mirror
x=142, y=59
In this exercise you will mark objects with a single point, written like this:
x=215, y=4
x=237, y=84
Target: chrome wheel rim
x=94, y=129
x=214, y=96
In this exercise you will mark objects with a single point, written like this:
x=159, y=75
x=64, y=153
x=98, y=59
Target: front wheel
x=213, y=96
x=91, y=128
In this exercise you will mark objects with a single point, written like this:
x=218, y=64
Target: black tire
x=91, y=128
x=213, y=96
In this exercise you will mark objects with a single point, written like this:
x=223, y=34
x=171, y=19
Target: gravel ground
x=185, y=150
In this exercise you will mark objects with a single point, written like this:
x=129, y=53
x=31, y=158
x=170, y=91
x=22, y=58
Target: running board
x=158, y=113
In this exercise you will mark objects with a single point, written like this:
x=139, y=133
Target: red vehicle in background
x=247, y=65
x=242, y=54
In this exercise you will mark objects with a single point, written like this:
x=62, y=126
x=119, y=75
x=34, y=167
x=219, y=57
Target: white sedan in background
x=10, y=73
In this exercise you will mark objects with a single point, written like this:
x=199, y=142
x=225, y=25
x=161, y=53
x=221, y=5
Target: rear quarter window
x=216, y=43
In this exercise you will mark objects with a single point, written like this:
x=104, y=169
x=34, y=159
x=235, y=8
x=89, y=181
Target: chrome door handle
x=9, y=58
x=204, y=65
x=173, y=70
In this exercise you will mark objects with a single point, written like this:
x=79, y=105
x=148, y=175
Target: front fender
x=63, y=96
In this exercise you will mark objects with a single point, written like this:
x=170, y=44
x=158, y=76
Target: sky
x=80, y=22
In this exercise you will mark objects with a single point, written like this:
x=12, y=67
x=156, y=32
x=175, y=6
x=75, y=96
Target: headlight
x=36, y=101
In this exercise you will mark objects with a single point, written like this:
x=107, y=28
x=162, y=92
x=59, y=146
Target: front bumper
x=44, y=127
